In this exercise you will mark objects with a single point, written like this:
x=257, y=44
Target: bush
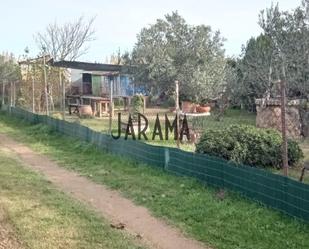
x=248, y=145
x=137, y=103
x=295, y=153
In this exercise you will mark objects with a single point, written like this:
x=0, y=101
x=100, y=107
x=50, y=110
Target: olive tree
x=281, y=52
x=171, y=49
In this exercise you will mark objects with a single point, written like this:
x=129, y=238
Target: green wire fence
x=276, y=191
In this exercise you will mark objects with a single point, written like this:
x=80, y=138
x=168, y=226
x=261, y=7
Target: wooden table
x=95, y=101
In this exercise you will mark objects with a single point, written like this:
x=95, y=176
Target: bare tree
x=67, y=41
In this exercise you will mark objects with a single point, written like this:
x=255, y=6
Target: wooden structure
x=98, y=104
x=95, y=83
x=95, y=78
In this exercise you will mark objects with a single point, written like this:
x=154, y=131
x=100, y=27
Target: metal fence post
x=33, y=98
x=45, y=84
x=283, y=128
x=3, y=90
x=14, y=93
x=11, y=94
x=166, y=157
x=111, y=108
x=177, y=109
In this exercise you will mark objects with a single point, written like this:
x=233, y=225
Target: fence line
x=276, y=191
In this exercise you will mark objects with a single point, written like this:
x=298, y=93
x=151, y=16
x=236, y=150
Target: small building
x=96, y=78
x=91, y=83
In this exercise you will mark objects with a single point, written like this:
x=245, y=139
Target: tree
x=280, y=52
x=67, y=41
x=64, y=42
x=9, y=70
x=9, y=73
x=255, y=71
x=172, y=50
x=232, y=93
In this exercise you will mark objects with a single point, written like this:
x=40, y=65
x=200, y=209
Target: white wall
x=76, y=77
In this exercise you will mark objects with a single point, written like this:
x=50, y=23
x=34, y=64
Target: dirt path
x=136, y=219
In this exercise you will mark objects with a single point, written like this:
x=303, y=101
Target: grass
x=222, y=222
x=232, y=116
x=45, y=218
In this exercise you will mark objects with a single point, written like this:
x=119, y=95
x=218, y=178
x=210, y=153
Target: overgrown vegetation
x=222, y=220
x=248, y=145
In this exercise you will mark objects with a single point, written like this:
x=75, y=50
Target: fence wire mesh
x=279, y=192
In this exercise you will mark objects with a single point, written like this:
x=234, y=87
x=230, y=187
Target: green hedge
x=248, y=145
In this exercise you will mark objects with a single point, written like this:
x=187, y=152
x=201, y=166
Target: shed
x=96, y=78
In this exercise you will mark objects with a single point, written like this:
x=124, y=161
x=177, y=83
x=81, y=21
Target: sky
x=119, y=21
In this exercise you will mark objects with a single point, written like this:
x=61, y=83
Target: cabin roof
x=95, y=67
x=102, y=73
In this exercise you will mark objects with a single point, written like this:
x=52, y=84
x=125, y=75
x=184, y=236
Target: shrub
x=294, y=151
x=137, y=104
x=248, y=145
